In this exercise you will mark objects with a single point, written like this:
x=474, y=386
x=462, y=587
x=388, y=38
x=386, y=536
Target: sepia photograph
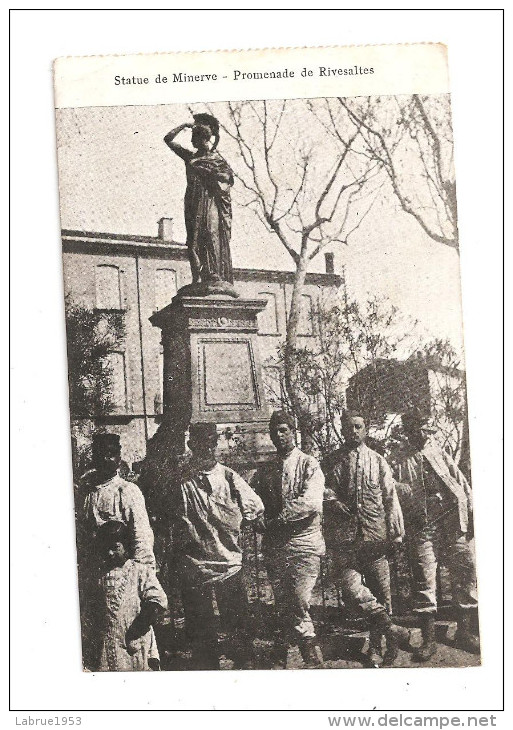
x=256, y=357
x=267, y=384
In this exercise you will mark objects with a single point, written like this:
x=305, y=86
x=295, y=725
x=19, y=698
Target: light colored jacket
x=363, y=483
x=292, y=492
x=119, y=500
x=207, y=523
x=410, y=471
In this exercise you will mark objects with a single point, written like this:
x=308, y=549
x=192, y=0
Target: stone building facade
x=139, y=275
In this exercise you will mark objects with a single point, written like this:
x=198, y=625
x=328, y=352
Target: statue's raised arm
x=169, y=139
x=207, y=205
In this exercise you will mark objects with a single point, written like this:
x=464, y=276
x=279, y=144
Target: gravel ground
x=341, y=648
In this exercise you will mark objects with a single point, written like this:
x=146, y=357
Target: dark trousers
x=201, y=624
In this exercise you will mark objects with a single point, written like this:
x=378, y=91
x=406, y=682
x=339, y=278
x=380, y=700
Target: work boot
x=241, y=651
x=311, y=652
x=279, y=654
x=375, y=650
x=428, y=648
x=244, y=658
x=398, y=637
x=205, y=658
x=464, y=638
x=392, y=651
x=391, y=654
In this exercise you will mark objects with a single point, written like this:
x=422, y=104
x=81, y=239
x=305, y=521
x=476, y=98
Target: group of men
x=352, y=506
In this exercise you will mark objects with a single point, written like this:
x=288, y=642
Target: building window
x=165, y=287
x=268, y=317
x=115, y=362
x=306, y=318
x=108, y=287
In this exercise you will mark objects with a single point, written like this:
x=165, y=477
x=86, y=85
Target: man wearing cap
x=211, y=504
x=291, y=487
x=207, y=203
x=362, y=518
x=103, y=495
x=437, y=501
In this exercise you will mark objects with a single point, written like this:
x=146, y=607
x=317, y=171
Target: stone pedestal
x=212, y=369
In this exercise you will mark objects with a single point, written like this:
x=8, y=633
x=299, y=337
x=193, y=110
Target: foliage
x=375, y=342
x=91, y=335
x=448, y=395
x=351, y=337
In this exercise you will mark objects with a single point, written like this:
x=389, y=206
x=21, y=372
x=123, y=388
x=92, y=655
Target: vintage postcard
x=265, y=358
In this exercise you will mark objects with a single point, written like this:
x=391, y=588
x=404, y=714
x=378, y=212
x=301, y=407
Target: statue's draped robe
x=208, y=214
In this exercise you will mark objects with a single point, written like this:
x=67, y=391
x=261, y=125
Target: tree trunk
x=300, y=407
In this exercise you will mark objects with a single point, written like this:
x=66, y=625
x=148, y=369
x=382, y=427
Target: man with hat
x=291, y=487
x=437, y=501
x=207, y=202
x=211, y=504
x=363, y=518
x=105, y=495
x=102, y=496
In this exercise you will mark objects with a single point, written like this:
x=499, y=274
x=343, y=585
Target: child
x=129, y=602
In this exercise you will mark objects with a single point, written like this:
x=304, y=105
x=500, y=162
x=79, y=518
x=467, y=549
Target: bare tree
x=411, y=137
x=309, y=186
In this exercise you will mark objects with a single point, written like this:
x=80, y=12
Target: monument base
x=208, y=288
x=212, y=370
